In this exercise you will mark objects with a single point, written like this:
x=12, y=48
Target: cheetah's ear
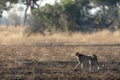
x=77, y=53
x=94, y=56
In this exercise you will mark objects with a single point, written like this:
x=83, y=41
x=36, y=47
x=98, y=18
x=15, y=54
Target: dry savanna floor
x=56, y=63
x=52, y=57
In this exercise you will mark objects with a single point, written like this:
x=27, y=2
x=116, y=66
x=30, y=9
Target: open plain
x=52, y=57
x=56, y=62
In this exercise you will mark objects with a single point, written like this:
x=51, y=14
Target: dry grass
x=16, y=35
x=22, y=62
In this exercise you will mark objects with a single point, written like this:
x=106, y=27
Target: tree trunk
x=25, y=15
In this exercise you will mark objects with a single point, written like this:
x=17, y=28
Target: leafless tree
x=32, y=4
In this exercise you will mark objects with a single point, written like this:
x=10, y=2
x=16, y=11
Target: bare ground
x=56, y=62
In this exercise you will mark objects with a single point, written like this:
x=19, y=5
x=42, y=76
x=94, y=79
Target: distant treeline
x=75, y=15
x=71, y=15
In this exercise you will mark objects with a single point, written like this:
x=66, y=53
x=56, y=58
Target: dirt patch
x=56, y=63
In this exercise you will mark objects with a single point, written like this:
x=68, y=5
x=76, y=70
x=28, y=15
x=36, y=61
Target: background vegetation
x=70, y=15
x=17, y=36
x=75, y=15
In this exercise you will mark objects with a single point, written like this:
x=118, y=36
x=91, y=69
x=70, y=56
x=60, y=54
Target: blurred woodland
x=68, y=15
